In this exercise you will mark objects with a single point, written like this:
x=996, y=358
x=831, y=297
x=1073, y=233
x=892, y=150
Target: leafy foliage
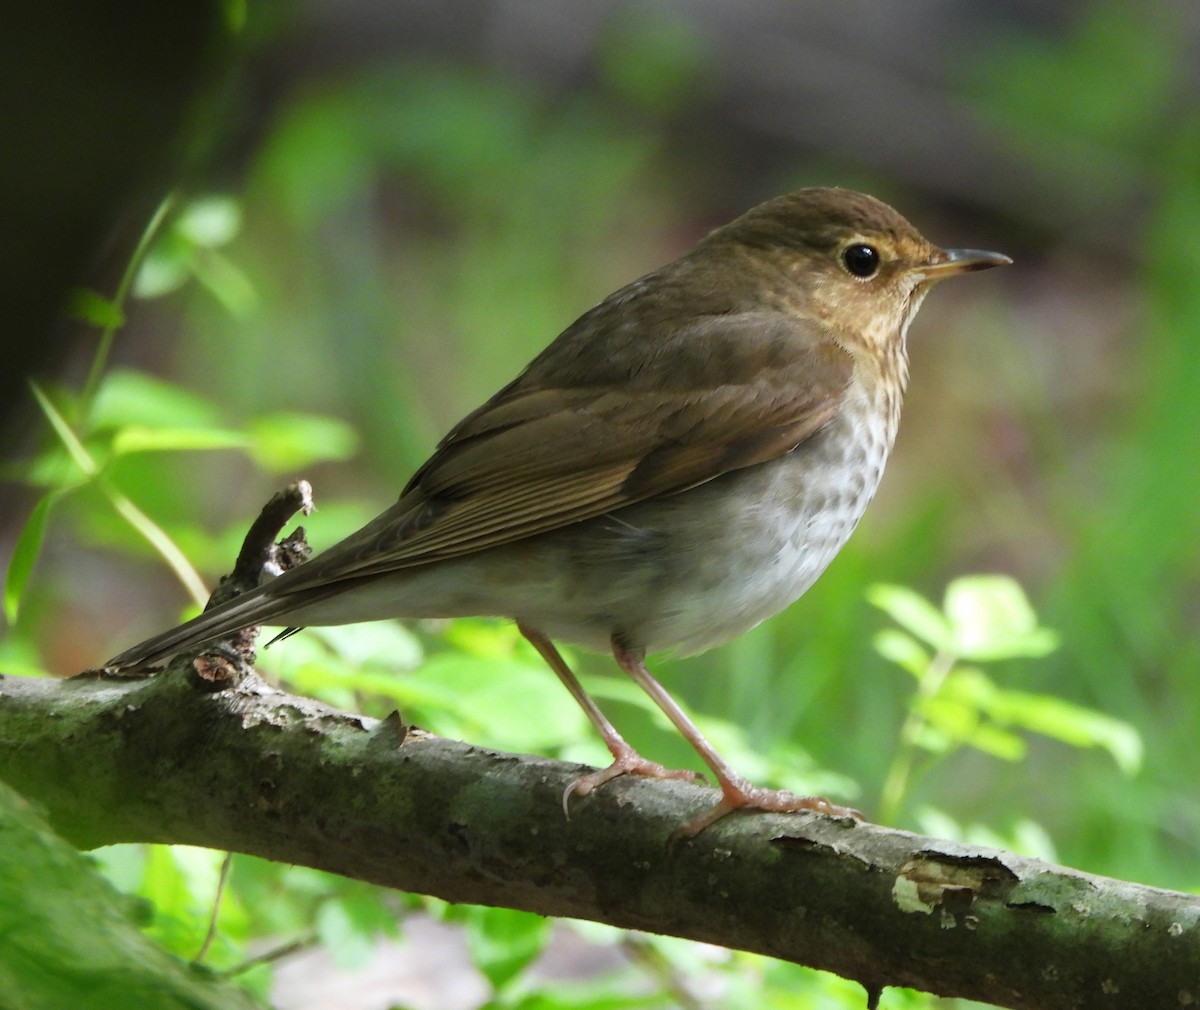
x=71, y=940
x=983, y=619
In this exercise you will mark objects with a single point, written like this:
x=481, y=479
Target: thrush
x=679, y=464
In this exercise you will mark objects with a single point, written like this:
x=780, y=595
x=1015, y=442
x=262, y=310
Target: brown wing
x=728, y=392
x=570, y=439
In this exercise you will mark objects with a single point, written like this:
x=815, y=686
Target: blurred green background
x=387, y=209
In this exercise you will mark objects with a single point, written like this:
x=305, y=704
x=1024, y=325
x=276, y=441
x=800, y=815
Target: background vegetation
x=393, y=215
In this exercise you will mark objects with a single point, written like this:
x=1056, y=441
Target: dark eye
x=861, y=260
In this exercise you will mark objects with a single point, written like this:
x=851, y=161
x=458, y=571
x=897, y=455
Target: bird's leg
x=736, y=792
x=626, y=761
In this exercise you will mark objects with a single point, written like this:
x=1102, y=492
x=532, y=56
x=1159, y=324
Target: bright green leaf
x=24, y=556
x=177, y=923
x=990, y=618
x=200, y=869
x=348, y=945
x=226, y=282
x=136, y=438
x=210, y=221
x=19, y=657
x=386, y=644
x=504, y=941
x=937, y=823
x=903, y=650
x=51, y=469
x=969, y=685
x=305, y=664
x=92, y=307
x=1028, y=838
x=127, y=398
x=930, y=738
x=1072, y=724
x=912, y=611
x=511, y=704
x=124, y=864
x=487, y=639
x=971, y=694
x=165, y=269
x=285, y=441
x=997, y=742
x=70, y=940
x=949, y=716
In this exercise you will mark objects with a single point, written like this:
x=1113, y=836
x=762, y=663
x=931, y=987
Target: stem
x=895, y=783
x=274, y=954
x=107, y=335
x=157, y=538
x=150, y=531
x=211, y=935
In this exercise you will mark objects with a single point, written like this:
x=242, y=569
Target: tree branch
x=252, y=769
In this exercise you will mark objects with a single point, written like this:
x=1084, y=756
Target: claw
x=627, y=762
x=740, y=795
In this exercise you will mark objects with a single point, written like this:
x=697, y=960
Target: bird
x=681, y=463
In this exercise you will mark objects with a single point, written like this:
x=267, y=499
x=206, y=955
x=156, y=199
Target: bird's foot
x=626, y=761
x=737, y=794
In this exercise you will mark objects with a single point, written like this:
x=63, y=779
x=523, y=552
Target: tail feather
x=256, y=607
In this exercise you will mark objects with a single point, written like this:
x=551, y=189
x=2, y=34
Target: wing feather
x=542, y=454
x=575, y=436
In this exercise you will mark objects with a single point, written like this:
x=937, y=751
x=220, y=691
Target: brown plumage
x=679, y=464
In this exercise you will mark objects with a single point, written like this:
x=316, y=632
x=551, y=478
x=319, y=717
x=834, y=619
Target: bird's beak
x=961, y=261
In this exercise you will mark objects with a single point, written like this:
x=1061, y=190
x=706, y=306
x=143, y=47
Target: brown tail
x=256, y=607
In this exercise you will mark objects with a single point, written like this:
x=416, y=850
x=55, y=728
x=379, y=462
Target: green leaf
x=902, y=649
x=513, y=704
x=178, y=922
x=210, y=221
x=92, y=307
x=50, y=469
x=133, y=399
x=930, y=738
x=285, y=441
x=486, y=638
x=1071, y=724
x=504, y=941
x=24, y=556
x=226, y=282
x=385, y=644
x=305, y=665
x=950, y=716
x=971, y=686
x=19, y=657
x=137, y=438
x=166, y=268
x=70, y=940
x=997, y=742
x=348, y=945
x=912, y=611
x=990, y=618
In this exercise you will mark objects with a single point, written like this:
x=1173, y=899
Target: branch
x=252, y=769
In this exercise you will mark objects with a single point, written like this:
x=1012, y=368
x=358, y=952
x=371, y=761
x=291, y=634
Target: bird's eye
x=861, y=260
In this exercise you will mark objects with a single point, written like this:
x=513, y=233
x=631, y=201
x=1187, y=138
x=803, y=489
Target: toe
x=740, y=795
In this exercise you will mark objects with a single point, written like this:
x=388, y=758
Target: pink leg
x=736, y=792
x=626, y=761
